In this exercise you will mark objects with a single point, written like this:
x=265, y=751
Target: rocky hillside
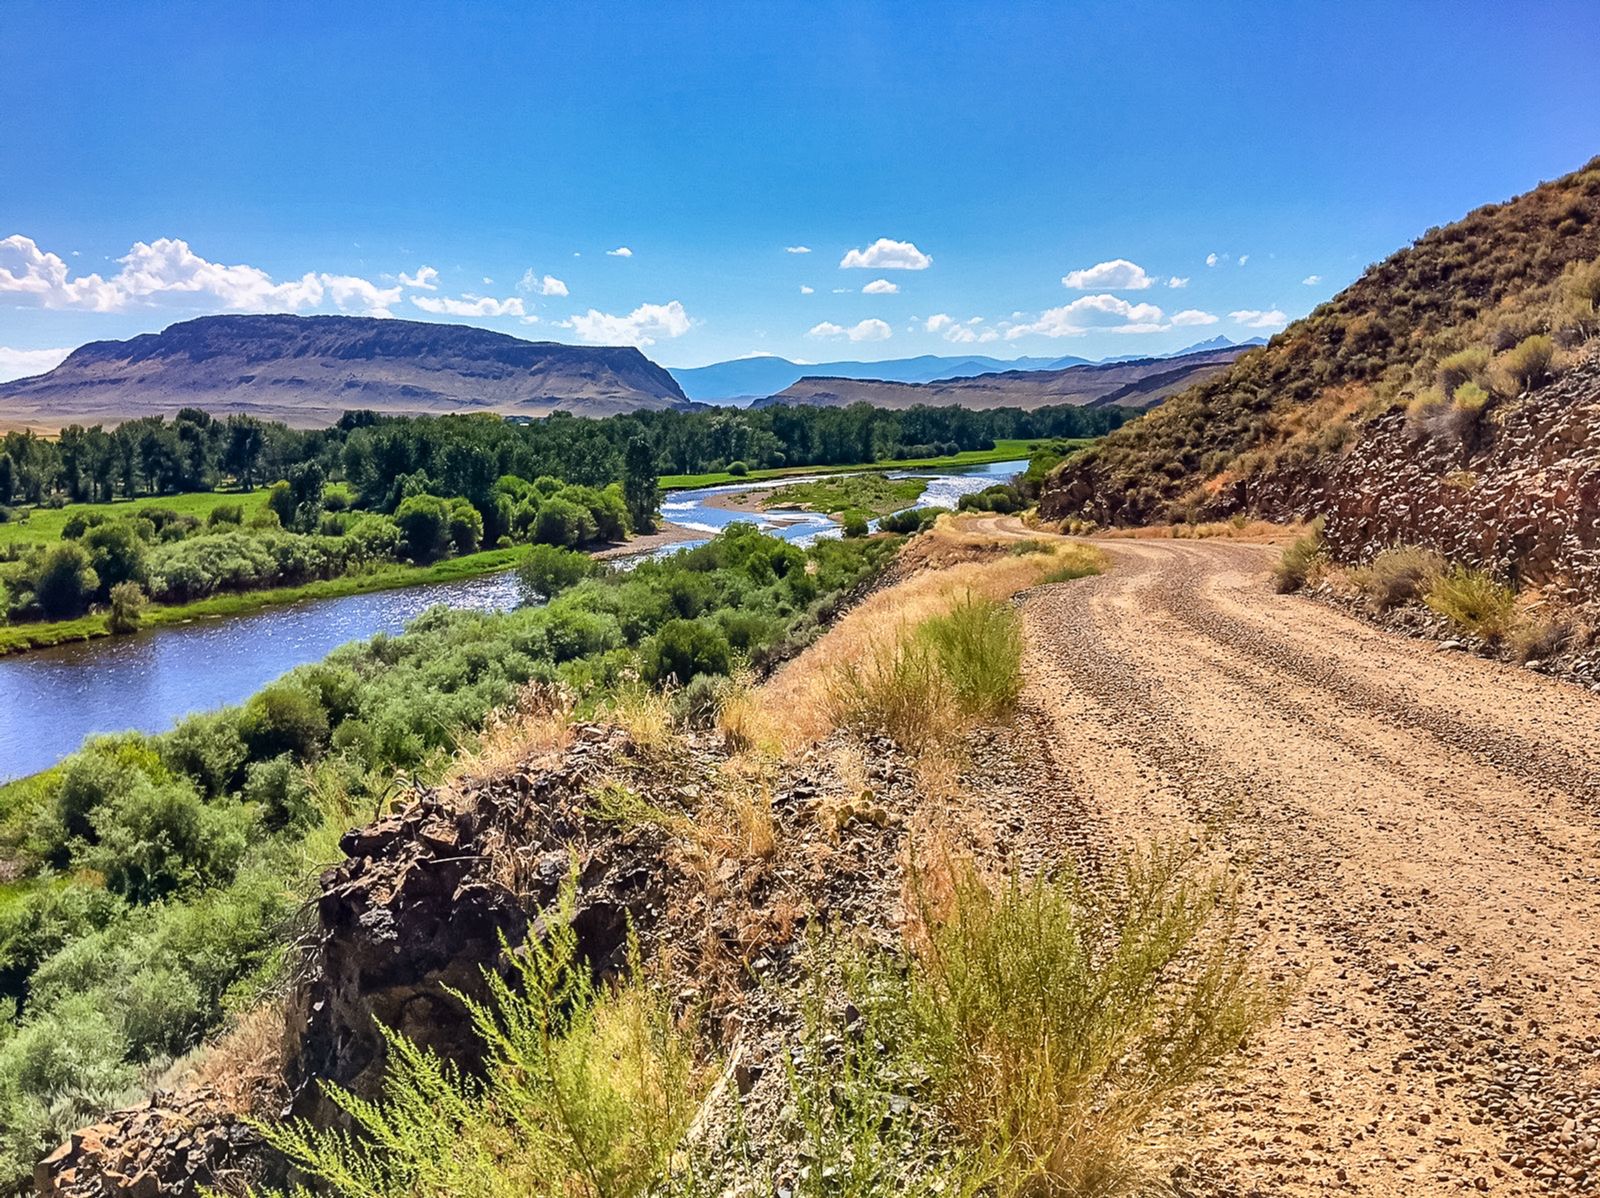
x=1138, y=383
x=1442, y=399
x=306, y=370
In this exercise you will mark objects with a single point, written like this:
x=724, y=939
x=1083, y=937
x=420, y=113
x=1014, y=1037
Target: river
x=51, y=699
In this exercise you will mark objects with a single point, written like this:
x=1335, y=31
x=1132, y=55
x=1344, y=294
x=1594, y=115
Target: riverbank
x=20, y=638
x=1003, y=451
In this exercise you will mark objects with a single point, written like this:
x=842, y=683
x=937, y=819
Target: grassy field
x=863, y=494
x=16, y=638
x=45, y=524
x=1003, y=451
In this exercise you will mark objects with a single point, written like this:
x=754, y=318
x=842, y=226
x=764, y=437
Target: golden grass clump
x=1474, y=601
x=1058, y=1021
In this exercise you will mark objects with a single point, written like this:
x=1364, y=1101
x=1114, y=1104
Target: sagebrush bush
x=1474, y=601
x=1299, y=562
x=1527, y=363
x=1399, y=575
x=979, y=648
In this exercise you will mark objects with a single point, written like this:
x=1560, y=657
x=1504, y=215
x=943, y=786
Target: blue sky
x=1008, y=175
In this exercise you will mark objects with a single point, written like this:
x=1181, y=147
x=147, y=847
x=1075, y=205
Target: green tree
x=127, y=608
x=424, y=522
x=8, y=478
x=64, y=581
x=641, y=489
x=116, y=552
x=547, y=570
x=683, y=649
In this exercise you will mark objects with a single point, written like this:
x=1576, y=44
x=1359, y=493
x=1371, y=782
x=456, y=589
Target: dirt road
x=1423, y=835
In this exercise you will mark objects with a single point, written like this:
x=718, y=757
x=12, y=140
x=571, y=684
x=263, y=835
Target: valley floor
x=1420, y=832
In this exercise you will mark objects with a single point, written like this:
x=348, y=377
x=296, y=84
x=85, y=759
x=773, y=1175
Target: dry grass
x=243, y=1067
x=938, y=570
x=537, y=724
x=1475, y=602
x=1058, y=1022
x=1237, y=529
x=1399, y=575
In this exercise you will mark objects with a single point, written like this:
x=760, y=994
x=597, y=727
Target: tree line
x=463, y=456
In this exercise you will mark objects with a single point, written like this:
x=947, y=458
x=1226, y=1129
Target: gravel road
x=1420, y=829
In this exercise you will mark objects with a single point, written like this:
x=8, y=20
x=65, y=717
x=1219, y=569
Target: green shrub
x=683, y=649
x=225, y=513
x=547, y=570
x=128, y=602
x=738, y=469
x=152, y=838
x=911, y=520
x=284, y=718
x=1463, y=366
x=1471, y=399
x=979, y=648
x=1473, y=601
x=563, y=522
x=1528, y=362
x=1299, y=562
x=854, y=525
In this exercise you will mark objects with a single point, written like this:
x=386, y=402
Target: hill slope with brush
x=1450, y=374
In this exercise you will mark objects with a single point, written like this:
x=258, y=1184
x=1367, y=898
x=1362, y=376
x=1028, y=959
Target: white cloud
x=353, y=294
x=880, y=287
x=470, y=305
x=643, y=326
x=804, y=290
x=1177, y=281
x=24, y=363
x=797, y=249
x=621, y=251
x=1213, y=259
x=870, y=329
x=426, y=279
x=167, y=268
x=548, y=285
x=966, y=334
x=1254, y=318
x=1243, y=258
x=1116, y=275
x=1311, y=280
x=939, y=320
x=1093, y=314
x=1192, y=316
x=885, y=254
x=842, y=290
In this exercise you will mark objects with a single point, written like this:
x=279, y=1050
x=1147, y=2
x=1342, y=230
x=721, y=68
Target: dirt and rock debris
x=1419, y=830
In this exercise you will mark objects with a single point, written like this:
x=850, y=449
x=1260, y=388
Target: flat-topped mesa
x=306, y=370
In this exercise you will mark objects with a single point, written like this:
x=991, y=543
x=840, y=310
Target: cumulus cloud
x=470, y=305
x=880, y=287
x=1116, y=275
x=24, y=363
x=643, y=326
x=870, y=329
x=886, y=254
x=1093, y=314
x=1213, y=259
x=167, y=268
x=1192, y=316
x=426, y=279
x=797, y=249
x=1311, y=280
x=621, y=251
x=1243, y=258
x=966, y=334
x=548, y=285
x=804, y=290
x=1177, y=281
x=938, y=321
x=1255, y=318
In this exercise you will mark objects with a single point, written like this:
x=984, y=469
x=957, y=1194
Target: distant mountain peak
x=306, y=370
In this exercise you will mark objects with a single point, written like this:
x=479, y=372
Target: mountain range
x=1133, y=383
x=306, y=370
x=745, y=379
